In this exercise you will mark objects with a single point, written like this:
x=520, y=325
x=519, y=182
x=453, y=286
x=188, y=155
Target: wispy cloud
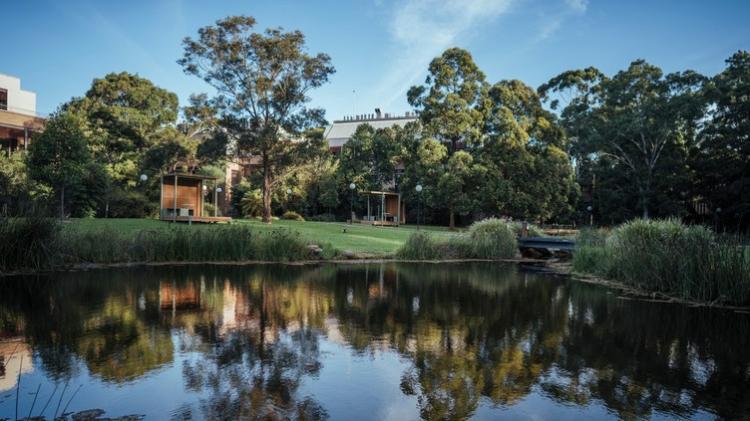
x=553, y=21
x=421, y=30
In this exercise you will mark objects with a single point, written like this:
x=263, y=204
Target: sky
x=379, y=47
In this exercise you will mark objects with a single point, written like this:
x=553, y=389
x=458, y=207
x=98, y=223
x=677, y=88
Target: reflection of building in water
x=15, y=355
x=179, y=297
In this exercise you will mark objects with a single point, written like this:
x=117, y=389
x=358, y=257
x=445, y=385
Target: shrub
x=130, y=204
x=492, y=238
x=487, y=239
x=251, y=203
x=422, y=246
x=323, y=217
x=292, y=216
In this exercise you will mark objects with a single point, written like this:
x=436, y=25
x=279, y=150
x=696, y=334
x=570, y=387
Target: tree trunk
x=266, y=192
x=452, y=223
x=62, y=202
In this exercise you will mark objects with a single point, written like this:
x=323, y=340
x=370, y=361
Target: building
x=19, y=121
x=183, y=197
x=341, y=131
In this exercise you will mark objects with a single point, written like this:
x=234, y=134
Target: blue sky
x=379, y=47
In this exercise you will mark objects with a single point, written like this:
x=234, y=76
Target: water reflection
x=363, y=341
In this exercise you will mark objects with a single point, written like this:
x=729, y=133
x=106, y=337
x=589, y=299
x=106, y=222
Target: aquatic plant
x=487, y=239
x=686, y=261
x=29, y=242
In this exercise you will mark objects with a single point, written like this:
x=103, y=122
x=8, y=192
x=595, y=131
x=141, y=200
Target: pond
x=374, y=341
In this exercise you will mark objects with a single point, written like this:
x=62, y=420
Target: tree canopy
x=262, y=81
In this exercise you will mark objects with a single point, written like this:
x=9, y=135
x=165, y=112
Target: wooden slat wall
x=188, y=195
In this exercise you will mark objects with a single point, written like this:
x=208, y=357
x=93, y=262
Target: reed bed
x=39, y=243
x=690, y=262
x=487, y=239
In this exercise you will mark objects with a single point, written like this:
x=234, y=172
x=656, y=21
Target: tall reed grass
x=39, y=243
x=28, y=243
x=689, y=262
x=487, y=239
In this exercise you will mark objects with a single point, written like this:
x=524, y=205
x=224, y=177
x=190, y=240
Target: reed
x=28, y=243
x=487, y=239
x=667, y=256
x=221, y=243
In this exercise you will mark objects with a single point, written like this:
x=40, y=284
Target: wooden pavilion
x=384, y=209
x=182, y=198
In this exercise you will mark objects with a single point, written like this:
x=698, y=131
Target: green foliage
x=292, y=216
x=59, y=156
x=323, y=217
x=28, y=243
x=421, y=245
x=723, y=151
x=222, y=243
x=632, y=131
x=452, y=102
x=130, y=204
x=487, y=239
x=667, y=256
x=492, y=239
x=262, y=82
x=251, y=203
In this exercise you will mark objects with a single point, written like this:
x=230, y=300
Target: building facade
x=339, y=133
x=19, y=121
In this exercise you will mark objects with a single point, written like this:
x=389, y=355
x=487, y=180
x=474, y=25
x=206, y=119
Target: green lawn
x=357, y=237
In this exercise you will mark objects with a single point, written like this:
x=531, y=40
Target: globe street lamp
x=217, y=190
x=418, y=188
x=352, y=186
x=591, y=215
x=144, y=177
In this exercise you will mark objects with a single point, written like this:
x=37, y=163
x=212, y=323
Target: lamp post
x=352, y=186
x=418, y=188
x=143, y=178
x=217, y=190
x=591, y=215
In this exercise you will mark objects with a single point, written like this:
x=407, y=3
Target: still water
x=377, y=341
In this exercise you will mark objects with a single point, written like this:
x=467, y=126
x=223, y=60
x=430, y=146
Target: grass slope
x=358, y=238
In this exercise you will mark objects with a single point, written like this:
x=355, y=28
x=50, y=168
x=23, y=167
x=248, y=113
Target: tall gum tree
x=452, y=102
x=639, y=120
x=262, y=82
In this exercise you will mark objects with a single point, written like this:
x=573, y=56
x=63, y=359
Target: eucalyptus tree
x=452, y=102
x=528, y=172
x=639, y=122
x=262, y=81
x=722, y=158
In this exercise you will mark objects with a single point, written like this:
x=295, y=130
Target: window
x=3, y=99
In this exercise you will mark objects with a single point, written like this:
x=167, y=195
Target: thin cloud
x=421, y=30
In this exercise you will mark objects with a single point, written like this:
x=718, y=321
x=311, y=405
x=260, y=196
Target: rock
x=315, y=250
x=349, y=254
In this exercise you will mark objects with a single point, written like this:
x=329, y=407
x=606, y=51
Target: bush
x=251, y=204
x=422, y=246
x=130, y=204
x=292, y=216
x=28, y=243
x=492, y=238
x=667, y=256
x=323, y=217
x=487, y=239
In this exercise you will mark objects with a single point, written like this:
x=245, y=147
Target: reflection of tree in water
x=470, y=331
x=254, y=370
